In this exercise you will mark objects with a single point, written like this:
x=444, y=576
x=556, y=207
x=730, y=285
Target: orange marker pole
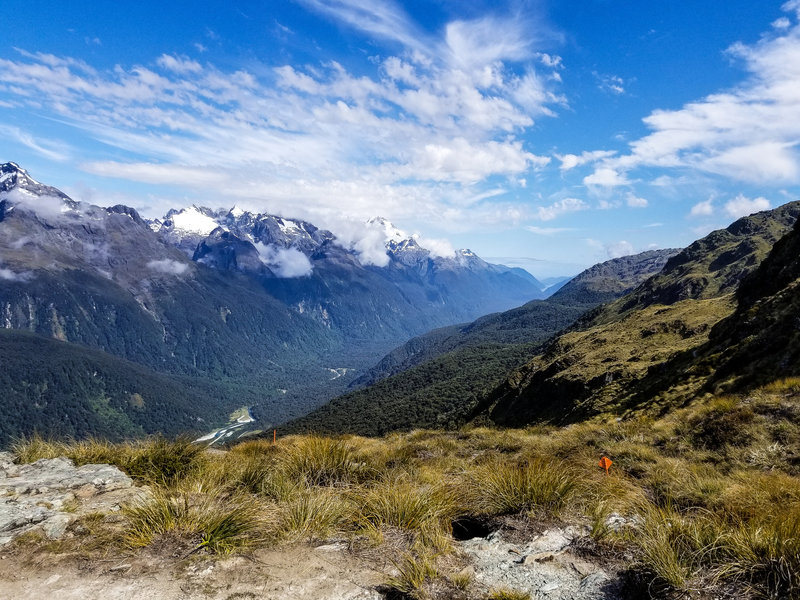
x=274, y=435
x=606, y=463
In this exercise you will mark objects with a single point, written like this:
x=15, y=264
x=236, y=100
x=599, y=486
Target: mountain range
x=641, y=334
x=252, y=308
x=440, y=377
x=120, y=326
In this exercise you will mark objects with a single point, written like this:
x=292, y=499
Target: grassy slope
x=465, y=364
x=684, y=503
x=644, y=349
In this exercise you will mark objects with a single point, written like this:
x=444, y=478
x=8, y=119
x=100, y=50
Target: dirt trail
x=286, y=574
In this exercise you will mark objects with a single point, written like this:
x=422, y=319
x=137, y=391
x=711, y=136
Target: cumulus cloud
x=741, y=206
x=284, y=262
x=367, y=240
x=560, y=207
x=606, y=177
x=749, y=133
x=618, y=249
x=702, y=209
x=635, y=201
x=418, y=135
x=570, y=161
x=168, y=266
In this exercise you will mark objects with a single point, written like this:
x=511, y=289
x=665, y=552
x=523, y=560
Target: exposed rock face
x=50, y=494
x=545, y=567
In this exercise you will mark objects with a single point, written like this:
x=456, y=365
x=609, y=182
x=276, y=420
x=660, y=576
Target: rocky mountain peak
x=14, y=177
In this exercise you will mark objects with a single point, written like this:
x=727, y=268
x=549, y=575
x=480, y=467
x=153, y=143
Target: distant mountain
x=437, y=379
x=308, y=270
x=675, y=334
x=532, y=322
x=258, y=306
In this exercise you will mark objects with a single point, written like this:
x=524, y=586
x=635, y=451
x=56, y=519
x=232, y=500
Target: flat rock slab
x=50, y=494
x=543, y=566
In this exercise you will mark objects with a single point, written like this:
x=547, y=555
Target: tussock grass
x=766, y=553
x=675, y=546
x=322, y=461
x=156, y=460
x=314, y=514
x=413, y=573
x=708, y=495
x=405, y=505
x=218, y=525
x=500, y=488
x=425, y=511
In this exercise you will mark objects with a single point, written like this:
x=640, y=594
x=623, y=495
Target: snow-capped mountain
x=261, y=300
x=223, y=238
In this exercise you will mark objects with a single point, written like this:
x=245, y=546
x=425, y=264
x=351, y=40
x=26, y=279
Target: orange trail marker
x=606, y=462
x=274, y=435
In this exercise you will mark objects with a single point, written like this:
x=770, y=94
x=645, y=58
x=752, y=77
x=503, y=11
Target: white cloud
x=702, y=209
x=50, y=149
x=480, y=42
x=178, y=64
x=741, y=206
x=285, y=262
x=10, y=275
x=606, y=177
x=560, y=207
x=749, y=133
x=570, y=161
x=46, y=207
x=367, y=240
x=437, y=247
x=548, y=230
x=605, y=204
x=781, y=23
x=168, y=266
x=618, y=249
x=157, y=173
x=429, y=128
x=612, y=84
x=635, y=201
x=461, y=161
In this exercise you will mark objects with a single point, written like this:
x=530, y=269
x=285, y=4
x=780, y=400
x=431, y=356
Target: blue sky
x=545, y=134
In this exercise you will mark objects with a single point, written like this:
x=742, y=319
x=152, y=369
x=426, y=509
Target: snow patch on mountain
x=193, y=220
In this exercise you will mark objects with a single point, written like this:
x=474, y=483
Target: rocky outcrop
x=50, y=494
x=545, y=566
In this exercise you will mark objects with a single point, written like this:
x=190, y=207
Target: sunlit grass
x=695, y=501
